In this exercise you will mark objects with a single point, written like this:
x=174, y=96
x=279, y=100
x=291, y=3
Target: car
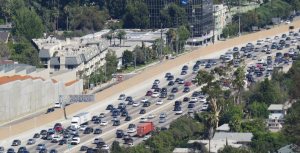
x=30, y=141
x=16, y=142
x=186, y=99
x=94, y=118
x=75, y=141
x=131, y=126
x=82, y=127
x=155, y=95
x=98, y=140
x=122, y=97
x=116, y=123
x=171, y=97
x=143, y=120
x=174, y=90
x=104, y=123
x=144, y=100
x=207, y=66
x=129, y=98
x=146, y=104
x=124, y=113
x=40, y=146
x=162, y=120
x=36, y=135
x=159, y=102
x=146, y=137
x=49, y=110
x=142, y=111
x=194, y=99
x=97, y=131
x=1, y=149
x=136, y=104
x=149, y=93
x=131, y=130
x=62, y=142
x=10, y=150
x=155, y=86
x=88, y=130
x=163, y=95
x=102, y=115
x=44, y=150
x=167, y=74
x=22, y=149
x=204, y=107
x=191, y=105
x=109, y=107
x=105, y=147
x=191, y=110
x=183, y=72
x=178, y=110
x=130, y=102
x=186, y=89
x=151, y=116
x=162, y=115
x=171, y=83
x=287, y=22
x=128, y=118
x=187, y=83
x=156, y=81
x=53, y=151
x=185, y=67
x=171, y=77
x=84, y=148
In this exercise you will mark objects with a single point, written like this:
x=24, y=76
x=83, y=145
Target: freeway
x=109, y=131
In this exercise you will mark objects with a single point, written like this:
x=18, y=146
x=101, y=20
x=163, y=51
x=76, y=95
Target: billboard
x=68, y=99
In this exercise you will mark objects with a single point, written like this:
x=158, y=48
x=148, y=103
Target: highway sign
x=68, y=99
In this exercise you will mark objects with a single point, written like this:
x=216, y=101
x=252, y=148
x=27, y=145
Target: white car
x=155, y=95
x=144, y=99
x=75, y=140
x=57, y=105
x=162, y=115
x=103, y=123
x=287, y=22
x=82, y=127
x=195, y=99
x=131, y=130
x=130, y=144
x=159, y=102
x=146, y=137
x=136, y=104
x=105, y=147
x=57, y=137
x=204, y=107
x=151, y=116
x=143, y=120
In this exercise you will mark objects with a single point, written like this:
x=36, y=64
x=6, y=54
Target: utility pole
x=214, y=26
x=161, y=39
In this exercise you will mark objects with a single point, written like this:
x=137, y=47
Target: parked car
x=16, y=142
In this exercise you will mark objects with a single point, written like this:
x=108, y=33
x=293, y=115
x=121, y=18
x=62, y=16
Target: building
x=276, y=117
x=5, y=32
x=221, y=139
x=84, y=55
x=199, y=13
x=185, y=150
x=291, y=148
x=5, y=27
x=221, y=19
x=223, y=128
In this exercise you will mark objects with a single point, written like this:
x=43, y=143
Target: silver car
x=31, y=141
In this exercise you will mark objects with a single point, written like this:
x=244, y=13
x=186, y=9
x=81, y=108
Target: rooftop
x=5, y=26
x=184, y=150
x=291, y=148
x=224, y=127
x=239, y=137
x=275, y=107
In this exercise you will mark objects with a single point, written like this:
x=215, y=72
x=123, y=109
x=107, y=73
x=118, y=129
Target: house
x=221, y=139
x=5, y=27
x=276, y=117
x=291, y=148
x=223, y=128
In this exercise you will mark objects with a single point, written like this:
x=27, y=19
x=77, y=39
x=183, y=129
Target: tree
x=109, y=37
x=116, y=8
x=171, y=38
x=230, y=149
x=173, y=16
x=121, y=35
x=24, y=52
x=111, y=63
x=139, y=55
x=183, y=34
x=258, y=109
x=239, y=81
x=127, y=58
x=27, y=24
x=137, y=15
x=292, y=124
x=4, y=51
x=115, y=147
x=204, y=77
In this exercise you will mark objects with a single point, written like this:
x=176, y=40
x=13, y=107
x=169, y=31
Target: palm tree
x=171, y=37
x=109, y=37
x=121, y=35
x=238, y=82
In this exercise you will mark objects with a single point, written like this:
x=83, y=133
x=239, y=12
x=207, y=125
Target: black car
x=185, y=67
x=167, y=75
x=130, y=102
x=186, y=99
x=171, y=77
x=62, y=142
x=171, y=83
x=116, y=123
x=163, y=95
x=171, y=97
x=174, y=90
x=207, y=66
x=128, y=118
x=146, y=104
x=16, y=143
x=53, y=151
x=186, y=89
x=22, y=149
x=49, y=110
x=154, y=86
x=88, y=130
x=109, y=107
x=36, y=135
x=142, y=111
x=94, y=118
x=191, y=105
x=124, y=113
x=164, y=90
x=97, y=121
x=84, y=148
x=11, y=150
x=97, y=131
x=129, y=98
x=44, y=150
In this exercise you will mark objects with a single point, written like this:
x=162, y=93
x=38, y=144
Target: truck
x=79, y=119
x=145, y=128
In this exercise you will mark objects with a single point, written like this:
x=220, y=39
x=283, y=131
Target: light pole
x=239, y=10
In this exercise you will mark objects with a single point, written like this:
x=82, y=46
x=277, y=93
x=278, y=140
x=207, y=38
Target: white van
x=57, y=105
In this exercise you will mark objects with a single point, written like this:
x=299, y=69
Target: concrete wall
x=66, y=76
x=19, y=98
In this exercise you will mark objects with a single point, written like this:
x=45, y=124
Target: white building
x=84, y=55
x=221, y=19
x=221, y=139
x=276, y=116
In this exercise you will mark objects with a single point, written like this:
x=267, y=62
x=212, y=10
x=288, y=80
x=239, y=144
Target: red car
x=149, y=93
x=58, y=127
x=188, y=83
